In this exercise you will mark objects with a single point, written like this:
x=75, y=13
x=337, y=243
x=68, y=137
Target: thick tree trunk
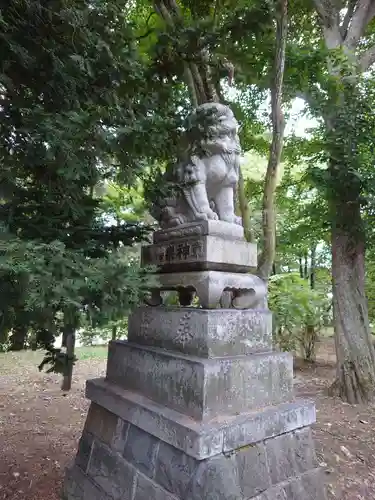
x=355, y=354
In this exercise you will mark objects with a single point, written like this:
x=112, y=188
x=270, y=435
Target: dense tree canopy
x=77, y=102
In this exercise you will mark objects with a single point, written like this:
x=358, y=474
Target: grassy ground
x=17, y=361
x=40, y=426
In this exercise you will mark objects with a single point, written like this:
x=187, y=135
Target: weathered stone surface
x=216, y=479
x=103, y=424
x=210, y=285
x=200, y=253
x=202, y=388
x=289, y=454
x=281, y=457
x=201, y=228
x=111, y=472
x=253, y=471
x=202, y=332
x=269, y=423
x=174, y=470
x=171, y=474
x=313, y=485
x=197, y=439
x=306, y=458
x=78, y=486
x=141, y=450
x=309, y=486
x=120, y=436
x=177, y=382
x=84, y=450
x=146, y=489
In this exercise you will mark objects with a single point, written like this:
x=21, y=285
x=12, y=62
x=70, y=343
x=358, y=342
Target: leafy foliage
x=299, y=311
x=77, y=102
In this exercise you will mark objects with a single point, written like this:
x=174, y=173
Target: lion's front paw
x=212, y=215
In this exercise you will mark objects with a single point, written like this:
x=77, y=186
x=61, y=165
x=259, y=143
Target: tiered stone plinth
x=196, y=405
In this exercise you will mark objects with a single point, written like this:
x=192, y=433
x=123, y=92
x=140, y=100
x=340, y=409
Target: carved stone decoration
x=201, y=253
x=207, y=175
x=249, y=291
x=184, y=332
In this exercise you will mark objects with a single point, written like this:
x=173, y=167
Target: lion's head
x=212, y=129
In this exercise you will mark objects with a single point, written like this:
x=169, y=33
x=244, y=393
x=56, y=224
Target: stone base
x=202, y=388
x=202, y=332
x=117, y=460
x=201, y=253
x=199, y=440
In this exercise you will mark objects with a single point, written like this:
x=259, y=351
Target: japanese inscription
x=174, y=252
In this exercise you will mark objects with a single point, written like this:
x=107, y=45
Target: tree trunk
x=244, y=209
x=355, y=354
x=300, y=267
x=267, y=256
x=169, y=12
x=69, y=341
x=68, y=373
x=114, y=332
x=197, y=77
x=312, y=267
x=306, y=268
x=308, y=343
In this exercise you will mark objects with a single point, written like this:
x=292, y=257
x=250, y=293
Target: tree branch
x=191, y=73
x=348, y=18
x=371, y=11
x=367, y=58
x=364, y=12
x=330, y=20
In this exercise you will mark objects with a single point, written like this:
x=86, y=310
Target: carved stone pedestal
x=196, y=405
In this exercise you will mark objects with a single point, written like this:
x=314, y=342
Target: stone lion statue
x=205, y=179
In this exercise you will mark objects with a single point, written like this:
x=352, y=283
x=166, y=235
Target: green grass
x=14, y=362
x=96, y=352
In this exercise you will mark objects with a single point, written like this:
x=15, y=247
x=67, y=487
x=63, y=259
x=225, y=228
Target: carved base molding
x=249, y=291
